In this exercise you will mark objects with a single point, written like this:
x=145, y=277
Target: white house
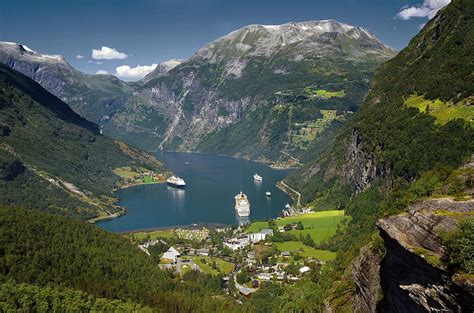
x=171, y=255
x=237, y=243
x=261, y=235
x=304, y=269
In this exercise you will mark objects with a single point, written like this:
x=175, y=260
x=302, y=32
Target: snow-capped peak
x=27, y=52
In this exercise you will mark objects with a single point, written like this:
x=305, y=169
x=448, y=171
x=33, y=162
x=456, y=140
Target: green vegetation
x=441, y=110
x=66, y=164
x=416, y=155
x=431, y=258
x=325, y=94
x=460, y=247
x=298, y=247
x=32, y=298
x=213, y=265
x=141, y=237
x=319, y=225
x=338, y=84
x=46, y=251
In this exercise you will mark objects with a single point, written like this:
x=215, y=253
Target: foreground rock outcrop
x=412, y=277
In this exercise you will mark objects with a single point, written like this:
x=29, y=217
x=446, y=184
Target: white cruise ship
x=175, y=181
x=242, y=205
x=257, y=177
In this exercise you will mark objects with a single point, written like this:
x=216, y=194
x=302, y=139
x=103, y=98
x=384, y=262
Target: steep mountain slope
x=53, y=159
x=65, y=258
x=162, y=69
x=408, y=142
x=256, y=91
x=418, y=115
x=95, y=97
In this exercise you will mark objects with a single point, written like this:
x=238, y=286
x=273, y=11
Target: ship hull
x=175, y=185
x=243, y=214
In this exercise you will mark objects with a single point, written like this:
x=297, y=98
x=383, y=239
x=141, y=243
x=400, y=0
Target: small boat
x=257, y=177
x=268, y=194
x=187, y=162
x=175, y=181
x=287, y=206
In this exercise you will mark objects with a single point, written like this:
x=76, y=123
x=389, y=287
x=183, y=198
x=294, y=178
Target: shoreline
x=270, y=164
x=185, y=226
x=137, y=184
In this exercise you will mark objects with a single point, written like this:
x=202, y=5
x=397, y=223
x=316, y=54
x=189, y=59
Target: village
x=282, y=250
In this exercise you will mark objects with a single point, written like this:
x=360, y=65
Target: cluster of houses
x=277, y=272
x=242, y=241
x=291, y=211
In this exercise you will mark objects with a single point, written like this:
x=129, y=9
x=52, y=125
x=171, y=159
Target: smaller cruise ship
x=257, y=177
x=175, y=181
x=242, y=204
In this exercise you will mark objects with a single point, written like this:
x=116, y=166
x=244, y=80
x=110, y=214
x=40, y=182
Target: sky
x=128, y=38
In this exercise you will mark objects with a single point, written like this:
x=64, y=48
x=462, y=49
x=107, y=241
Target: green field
x=151, y=235
x=127, y=172
x=325, y=94
x=443, y=112
x=319, y=225
x=305, y=251
x=223, y=267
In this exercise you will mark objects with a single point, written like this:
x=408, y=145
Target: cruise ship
x=257, y=177
x=242, y=205
x=175, y=181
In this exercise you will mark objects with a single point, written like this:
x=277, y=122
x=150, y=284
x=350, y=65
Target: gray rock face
x=92, y=96
x=365, y=273
x=360, y=166
x=50, y=71
x=409, y=282
x=162, y=69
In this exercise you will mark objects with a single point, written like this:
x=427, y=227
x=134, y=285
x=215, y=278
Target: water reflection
x=242, y=220
x=178, y=197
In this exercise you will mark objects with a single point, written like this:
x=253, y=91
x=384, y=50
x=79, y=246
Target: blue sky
x=144, y=32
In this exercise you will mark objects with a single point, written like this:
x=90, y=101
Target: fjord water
x=212, y=182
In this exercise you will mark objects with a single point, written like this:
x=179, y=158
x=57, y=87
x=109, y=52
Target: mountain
x=404, y=159
x=95, y=97
x=255, y=92
x=162, y=69
x=52, y=159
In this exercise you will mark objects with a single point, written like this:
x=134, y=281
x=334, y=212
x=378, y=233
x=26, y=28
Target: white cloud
x=428, y=9
x=102, y=72
x=106, y=53
x=94, y=62
x=134, y=73
x=78, y=56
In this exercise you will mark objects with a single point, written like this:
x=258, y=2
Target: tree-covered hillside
x=51, y=158
x=50, y=252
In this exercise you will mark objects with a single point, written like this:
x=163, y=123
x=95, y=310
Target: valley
x=357, y=162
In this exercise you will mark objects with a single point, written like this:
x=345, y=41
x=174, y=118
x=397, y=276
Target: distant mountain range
x=295, y=81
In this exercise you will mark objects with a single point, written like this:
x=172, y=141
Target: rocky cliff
x=412, y=277
x=409, y=276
